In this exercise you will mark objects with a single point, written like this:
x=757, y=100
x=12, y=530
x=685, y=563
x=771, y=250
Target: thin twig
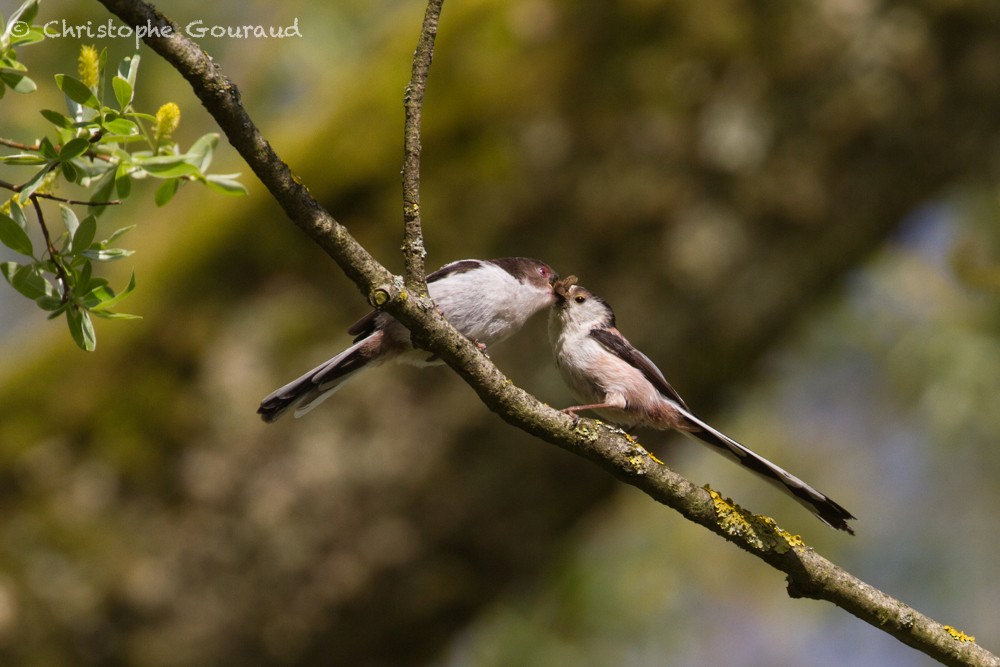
x=75, y=202
x=809, y=574
x=53, y=254
x=10, y=143
x=414, y=251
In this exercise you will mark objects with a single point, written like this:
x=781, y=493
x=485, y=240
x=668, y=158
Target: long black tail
x=320, y=383
x=827, y=510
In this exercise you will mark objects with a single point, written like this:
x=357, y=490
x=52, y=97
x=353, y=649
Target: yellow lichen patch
x=637, y=461
x=791, y=540
x=732, y=518
x=777, y=538
x=643, y=452
x=585, y=432
x=759, y=531
x=655, y=460
x=958, y=634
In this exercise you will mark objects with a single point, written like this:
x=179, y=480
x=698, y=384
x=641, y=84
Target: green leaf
x=26, y=12
x=123, y=182
x=10, y=64
x=17, y=213
x=95, y=297
x=168, y=166
x=201, y=150
x=51, y=303
x=57, y=119
x=83, y=281
x=149, y=118
x=118, y=233
x=108, y=254
x=78, y=112
x=74, y=148
x=106, y=298
x=121, y=126
x=166, y=192
x=104, y=191
x=35, y=33
x=128, y=69
x=46, y=148
x=81, y=328
x=8, y=269
x=116, y=316
x=19, y=83
x=77, y=91
x=23, y=159
x=15, y=238
x=69, y=219
x=27, y=280
x=70, y=173
x=33, y=184
x=84, y=235
x=171, y=170
x=123, y=92
x=226, y=184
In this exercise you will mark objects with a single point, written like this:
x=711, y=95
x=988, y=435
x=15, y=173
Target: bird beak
x=562, y=287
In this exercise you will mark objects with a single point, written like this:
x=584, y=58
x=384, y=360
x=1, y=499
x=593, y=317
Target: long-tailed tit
x=621, y=384
x=486, y=300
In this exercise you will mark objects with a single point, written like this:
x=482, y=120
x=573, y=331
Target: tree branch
x=809, y=575
x=414, y=251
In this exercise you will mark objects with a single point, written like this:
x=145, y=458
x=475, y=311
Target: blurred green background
x=792, y=207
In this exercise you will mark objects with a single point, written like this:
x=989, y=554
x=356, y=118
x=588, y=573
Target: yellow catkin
x=168, y=117
x=88, y=66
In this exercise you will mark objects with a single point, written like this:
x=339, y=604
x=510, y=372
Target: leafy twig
x=33, y=148
x=73, y=202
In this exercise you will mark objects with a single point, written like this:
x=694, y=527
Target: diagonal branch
x=414, y=251
x=809, y=575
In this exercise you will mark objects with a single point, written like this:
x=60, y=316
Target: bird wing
x=366, y=325
x=615, y=343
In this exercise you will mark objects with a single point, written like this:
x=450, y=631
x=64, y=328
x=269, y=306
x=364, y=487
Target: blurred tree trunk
x=713, y=170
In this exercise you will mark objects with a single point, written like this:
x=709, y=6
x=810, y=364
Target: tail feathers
x=320, y=383
x=827, y=510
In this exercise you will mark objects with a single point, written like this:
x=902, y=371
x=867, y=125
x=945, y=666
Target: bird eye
x=580, y=299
